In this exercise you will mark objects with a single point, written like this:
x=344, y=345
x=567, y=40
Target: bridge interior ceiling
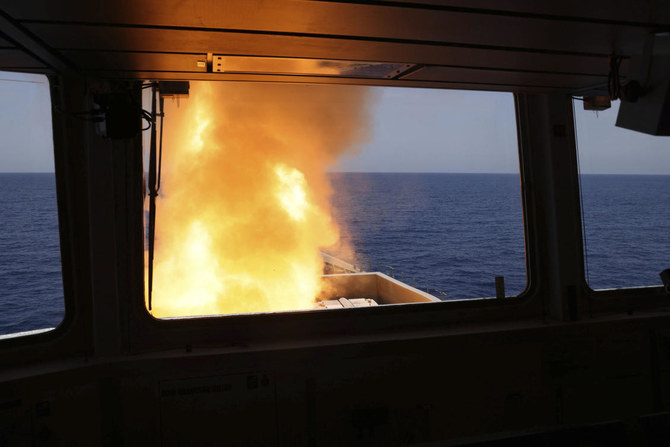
x=519, y=46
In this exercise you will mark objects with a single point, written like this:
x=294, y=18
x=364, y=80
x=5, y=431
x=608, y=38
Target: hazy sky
x=607, y=149
x=428, y=130
x=26, y=143
x=414, y=130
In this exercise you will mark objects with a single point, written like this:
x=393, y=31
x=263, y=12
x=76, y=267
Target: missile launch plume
x=244, y=207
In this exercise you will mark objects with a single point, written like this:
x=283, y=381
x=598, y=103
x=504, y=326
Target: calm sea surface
x=450, y=234
x=627, y=221
x=31, y=286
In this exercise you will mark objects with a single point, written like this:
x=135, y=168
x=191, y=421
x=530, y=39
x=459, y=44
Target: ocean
x=449, y=234
x=627, y=225
x=31, y=284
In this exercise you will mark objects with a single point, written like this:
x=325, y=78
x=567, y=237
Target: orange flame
x=244, y=206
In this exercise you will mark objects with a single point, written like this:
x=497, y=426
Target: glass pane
x=434, y=196
x=264, y=188
x=31, y=289
x=626, y=201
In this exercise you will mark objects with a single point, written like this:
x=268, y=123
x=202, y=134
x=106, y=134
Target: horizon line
x=470, y=172
x=399, y=172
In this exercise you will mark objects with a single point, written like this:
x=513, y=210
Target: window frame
x=609, y=299
x=70, y=336
x=243, y=329
x=132, y=329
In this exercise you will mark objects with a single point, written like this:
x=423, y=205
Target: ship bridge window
x=310, y=197
x=31, y=288
x=624, y=177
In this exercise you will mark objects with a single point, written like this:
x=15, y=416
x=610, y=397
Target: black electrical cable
x=147, y=116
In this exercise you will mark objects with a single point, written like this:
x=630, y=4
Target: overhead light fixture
x=307, y=67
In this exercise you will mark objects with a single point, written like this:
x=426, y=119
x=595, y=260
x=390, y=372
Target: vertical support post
x=103, y=231
x=152, y=196
x=553, y=215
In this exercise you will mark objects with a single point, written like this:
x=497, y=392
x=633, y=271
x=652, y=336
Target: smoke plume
x=244, y=208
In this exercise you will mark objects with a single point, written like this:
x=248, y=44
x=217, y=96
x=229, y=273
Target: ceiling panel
x=343, y=19
x=527, y=45
x=508, y=77
x=234, y=77
x=96, y=60
x=179, y=66
x=15, y=58
x=640, y=11
x=147, y=40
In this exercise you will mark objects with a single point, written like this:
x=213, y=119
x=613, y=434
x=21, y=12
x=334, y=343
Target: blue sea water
x=31, y=285
x=626, y=226
x=448, y=233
